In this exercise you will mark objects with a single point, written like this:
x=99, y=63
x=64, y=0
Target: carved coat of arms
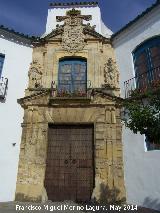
x=73, y=36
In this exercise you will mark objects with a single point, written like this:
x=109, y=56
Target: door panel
x=69, y=169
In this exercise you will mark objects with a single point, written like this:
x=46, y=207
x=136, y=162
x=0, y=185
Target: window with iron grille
x=147, y=63
x=2, y=57
x=150, y=145
x=72, y=75
x=147, y=71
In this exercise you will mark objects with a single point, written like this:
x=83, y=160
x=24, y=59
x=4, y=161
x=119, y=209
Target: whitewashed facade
x=92, y=10
x=142, y=168
x=18, y=56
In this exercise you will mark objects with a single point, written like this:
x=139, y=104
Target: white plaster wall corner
x=16, y=66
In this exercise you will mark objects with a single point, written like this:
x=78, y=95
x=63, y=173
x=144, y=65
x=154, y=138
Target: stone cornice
x=92, y=32
x=87, y=30
x=27, y=100
x=43, y=98
x=107, y=94
x=54, y=33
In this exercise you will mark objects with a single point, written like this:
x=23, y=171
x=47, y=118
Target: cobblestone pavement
x=67, y=207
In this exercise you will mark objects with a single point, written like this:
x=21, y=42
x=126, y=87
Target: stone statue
x=35, y=75
x=111, y=75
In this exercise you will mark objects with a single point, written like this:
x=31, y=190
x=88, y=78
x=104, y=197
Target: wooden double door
x=69, y=167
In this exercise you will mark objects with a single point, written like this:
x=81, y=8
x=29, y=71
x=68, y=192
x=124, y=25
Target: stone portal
x=71, y=137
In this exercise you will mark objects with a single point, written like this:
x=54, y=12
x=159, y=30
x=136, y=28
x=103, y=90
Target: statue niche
x=35, y=75
x=111, y=75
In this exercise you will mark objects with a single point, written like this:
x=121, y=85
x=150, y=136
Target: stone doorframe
x=108, y=156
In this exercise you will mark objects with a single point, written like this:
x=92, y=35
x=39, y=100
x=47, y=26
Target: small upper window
x=2, y=57
x=147, y=63
x=151, y=145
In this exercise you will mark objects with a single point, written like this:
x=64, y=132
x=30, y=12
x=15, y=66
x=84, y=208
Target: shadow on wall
x=106, y=197
x=2, y=100
x=109, y=196
x=153, y=204
x=112, y=196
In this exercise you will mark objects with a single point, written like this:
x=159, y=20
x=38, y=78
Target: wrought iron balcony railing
x=142, y=82
x=3, y=87
x=71, y=89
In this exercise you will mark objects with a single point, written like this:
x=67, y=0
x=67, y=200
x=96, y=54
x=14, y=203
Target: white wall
x=142, y=168
x=142, y=171
x=16, y=66
x=94, y=11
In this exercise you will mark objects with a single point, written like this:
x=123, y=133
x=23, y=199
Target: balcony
x=141, y=83
x=3, y=88
x=67, y=90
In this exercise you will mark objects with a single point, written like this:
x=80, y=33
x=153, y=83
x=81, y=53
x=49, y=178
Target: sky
x=29, y=16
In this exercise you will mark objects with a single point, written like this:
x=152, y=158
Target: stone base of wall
x=28, y=193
